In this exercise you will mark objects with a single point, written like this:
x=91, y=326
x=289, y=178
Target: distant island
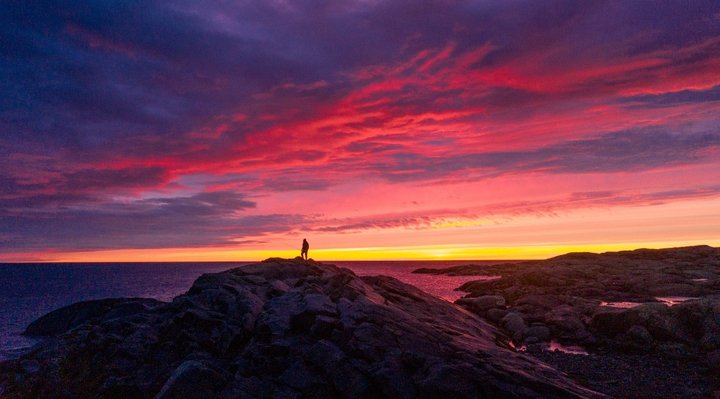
x=641, y=324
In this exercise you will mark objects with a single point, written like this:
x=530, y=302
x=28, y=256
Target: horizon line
x=454, y=252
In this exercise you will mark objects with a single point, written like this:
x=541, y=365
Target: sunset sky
x=180, y=130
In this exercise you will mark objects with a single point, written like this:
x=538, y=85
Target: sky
x=220, y=130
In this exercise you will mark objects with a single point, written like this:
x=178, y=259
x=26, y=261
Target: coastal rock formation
x=278, y=329
x=655, y=305
x=582, y=297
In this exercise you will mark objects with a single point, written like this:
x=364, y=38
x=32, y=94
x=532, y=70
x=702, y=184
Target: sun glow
x=427, y=252
x=427, y=144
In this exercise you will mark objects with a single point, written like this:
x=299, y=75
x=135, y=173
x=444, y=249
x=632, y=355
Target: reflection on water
x=674, y=300
x=31, y=290
x=441, y=286
x=620, y=305
x=552, y=346
x=666, y=300
x=571, y=349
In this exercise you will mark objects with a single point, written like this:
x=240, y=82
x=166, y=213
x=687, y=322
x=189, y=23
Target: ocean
x=28, y=291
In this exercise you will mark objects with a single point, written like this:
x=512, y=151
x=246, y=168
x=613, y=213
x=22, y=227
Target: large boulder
x=515, y=325
x=656, y=318
x=538, y=332
x=702, y=319
x=566, y=323
x=483, y=303
x=286, y=328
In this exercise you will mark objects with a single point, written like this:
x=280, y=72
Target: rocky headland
x=647, y=320
x=280, y=329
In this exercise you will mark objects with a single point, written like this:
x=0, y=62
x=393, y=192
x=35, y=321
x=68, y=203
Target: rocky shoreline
x=278, y=329
x=650, y=319
x=646, y=324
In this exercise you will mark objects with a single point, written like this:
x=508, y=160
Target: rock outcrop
x=279, y=329
x=69, y=317
x=661, y=304
x=579, y=296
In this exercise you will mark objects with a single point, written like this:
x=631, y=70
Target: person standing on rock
x=305, y=248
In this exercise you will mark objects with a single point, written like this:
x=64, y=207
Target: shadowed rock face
x=279, y=328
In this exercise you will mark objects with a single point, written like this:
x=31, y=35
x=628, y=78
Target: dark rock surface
x=278, y=329
x=637, y=376
x=570, y=297
x=64, y=319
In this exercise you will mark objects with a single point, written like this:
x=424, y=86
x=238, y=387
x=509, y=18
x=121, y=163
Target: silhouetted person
x=305, y=247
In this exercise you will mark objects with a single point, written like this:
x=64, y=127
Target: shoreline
x=624, y=309
x=151, y=280
x=278, y=328
x=603, y=340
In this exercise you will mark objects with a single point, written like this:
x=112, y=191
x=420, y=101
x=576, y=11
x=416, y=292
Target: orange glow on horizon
x=414, y=253
x=471, y=142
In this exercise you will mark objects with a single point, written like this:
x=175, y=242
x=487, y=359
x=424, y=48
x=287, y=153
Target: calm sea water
x=28, y=291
